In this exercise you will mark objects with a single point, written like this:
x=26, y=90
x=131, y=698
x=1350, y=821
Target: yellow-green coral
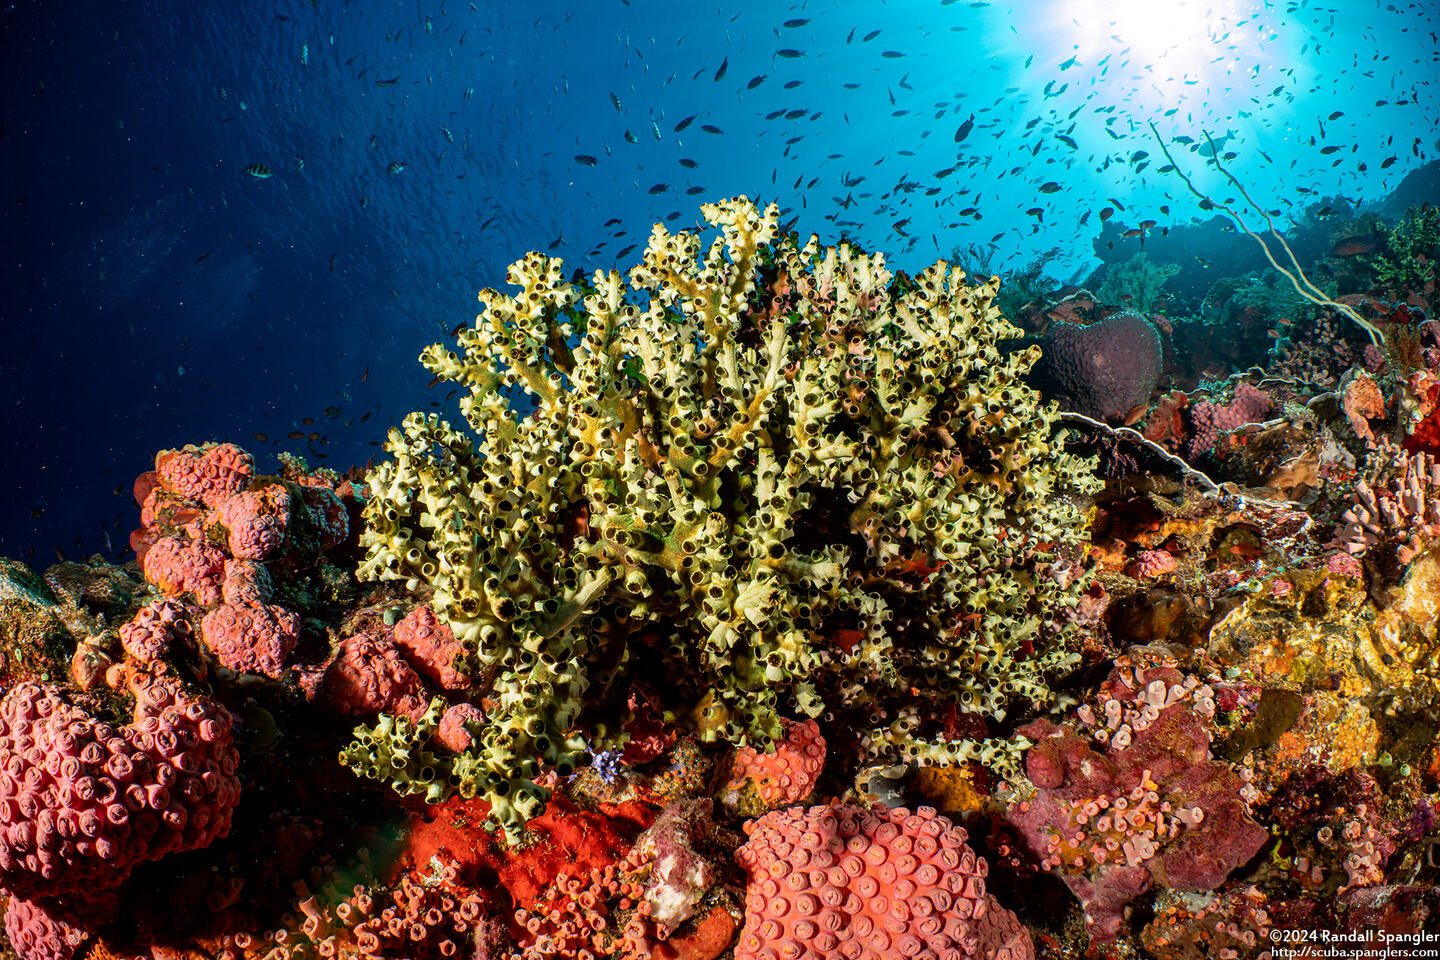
x=1412, y=246
x=759, y=451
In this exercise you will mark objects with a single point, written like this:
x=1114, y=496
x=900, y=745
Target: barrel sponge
x=82, y=803
x=842, y=881
x=1104, y=370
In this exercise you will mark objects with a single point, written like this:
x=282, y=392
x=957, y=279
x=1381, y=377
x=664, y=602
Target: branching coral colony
x=775, y=480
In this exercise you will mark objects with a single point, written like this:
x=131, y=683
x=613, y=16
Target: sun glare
x=1171, y=47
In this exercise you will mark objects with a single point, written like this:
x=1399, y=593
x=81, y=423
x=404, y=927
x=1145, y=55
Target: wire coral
x=719, y=473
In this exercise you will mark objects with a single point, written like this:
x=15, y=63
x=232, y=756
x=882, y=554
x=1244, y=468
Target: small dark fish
x=710, y=128
x=259, y=171
x=1387, y=162
x=892, y=54
x=295, y=435
x=1106, y=213
x=201, y=259
x=366, y=375
x=755, y=81
x=687, y=163
x=615, y=101
x=720, y=73
x=397, y=166
x=1337, y=114
x=789, y=54
x=964, y=129
x=1050, y=187
x=261, y=437
x=388, y=83
x=792, y=24
x=659, y=188
x=686, y=122
x=1038, y=212
x=630, y=137
x=307, y=421
x=694, y=190
x=792, y=84
x=870, y=36
x=585, y=159
x=334, y=258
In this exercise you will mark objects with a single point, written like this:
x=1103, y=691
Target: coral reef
x=771, y=615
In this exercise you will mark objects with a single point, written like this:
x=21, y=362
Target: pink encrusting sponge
x=81, y=802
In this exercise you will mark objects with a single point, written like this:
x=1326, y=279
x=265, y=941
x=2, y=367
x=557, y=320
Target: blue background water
x=154, y=294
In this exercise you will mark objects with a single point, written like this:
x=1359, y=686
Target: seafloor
x=769, y=611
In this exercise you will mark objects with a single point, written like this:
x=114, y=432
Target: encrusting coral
x=782, y=476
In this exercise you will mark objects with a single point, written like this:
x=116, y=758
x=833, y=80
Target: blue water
x=155, y=294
